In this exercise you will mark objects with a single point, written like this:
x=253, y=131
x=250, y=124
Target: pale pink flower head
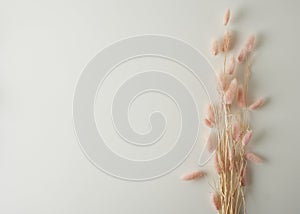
x=236, y=131
x=231, y=65
x=231, y=92
x=210, y=113
x=208, y=123
x=247, y=137
x=211, y=143
x=241, y=97
x=253, y=157
x=226, y=42
x=249, y=43
x=214, y=47
x=257, y=104
x=217, y=165
x=222, y=80
x=193, y=175
x=242, y=55
x=226, y=16
x=215, y=201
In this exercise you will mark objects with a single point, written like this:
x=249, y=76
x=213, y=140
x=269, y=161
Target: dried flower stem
x=246, y=81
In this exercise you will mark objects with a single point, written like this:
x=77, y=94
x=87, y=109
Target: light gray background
x=44, y=45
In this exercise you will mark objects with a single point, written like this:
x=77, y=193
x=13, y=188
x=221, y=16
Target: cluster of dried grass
x=230, y=122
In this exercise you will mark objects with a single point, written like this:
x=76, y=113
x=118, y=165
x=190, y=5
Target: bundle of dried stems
x=230, y=120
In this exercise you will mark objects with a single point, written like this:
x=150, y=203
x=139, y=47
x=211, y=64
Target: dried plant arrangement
x=229, y=121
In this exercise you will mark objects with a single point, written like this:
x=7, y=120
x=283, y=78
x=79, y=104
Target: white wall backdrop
x=45, y=45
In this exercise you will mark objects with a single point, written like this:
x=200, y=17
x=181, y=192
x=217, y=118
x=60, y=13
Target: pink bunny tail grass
x=215, y=201
x=210, y=113
x=208, y=123
x=242, y=55
x=193, y=175
x=226, y=42
x=222, y=80
x=214, y=47
x=250, y=43
x=217, y=165
x=231, y=65
x=241, y=97
x=226, y=16
x=211, y=143
x=257, y=104
x=247, y=137
x=235, y=132
x=231, y=91
x=253, y=157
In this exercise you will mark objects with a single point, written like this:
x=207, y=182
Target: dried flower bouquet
x=231, y=132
